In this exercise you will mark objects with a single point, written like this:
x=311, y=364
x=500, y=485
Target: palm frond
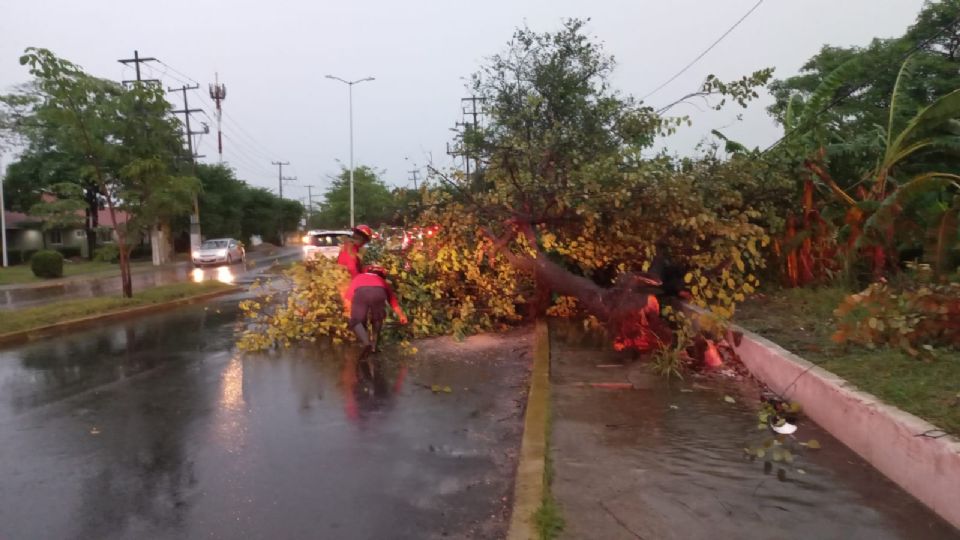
x=938, y=113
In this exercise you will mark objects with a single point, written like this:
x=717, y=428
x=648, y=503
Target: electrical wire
x=704, y=53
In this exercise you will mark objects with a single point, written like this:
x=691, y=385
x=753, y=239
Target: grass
x=21, y=273
x=32, y=318
x=801, y=320
x=548, y=517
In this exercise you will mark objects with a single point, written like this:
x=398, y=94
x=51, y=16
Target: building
x=26, y=236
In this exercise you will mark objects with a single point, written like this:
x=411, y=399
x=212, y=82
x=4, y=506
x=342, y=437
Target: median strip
x=24, y=324
x=528, y=494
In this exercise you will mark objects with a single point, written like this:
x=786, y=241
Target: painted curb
x=888, y=438
x=529, y=487
x=23, y=336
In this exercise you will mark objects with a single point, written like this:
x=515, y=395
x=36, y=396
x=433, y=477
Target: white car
x=219, y=251
x=323, y=244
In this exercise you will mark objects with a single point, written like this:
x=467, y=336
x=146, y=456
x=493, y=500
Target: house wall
x=25, y=239
x=70, y=238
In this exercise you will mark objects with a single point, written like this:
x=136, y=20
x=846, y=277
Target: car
x=323, y=243
x=219, y=251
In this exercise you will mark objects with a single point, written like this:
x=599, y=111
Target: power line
x=254, y=145
x=704, y=53
x=836, y=101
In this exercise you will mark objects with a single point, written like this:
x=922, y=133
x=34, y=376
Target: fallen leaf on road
x=729, y=399
x=813, y=444
x=94, y=430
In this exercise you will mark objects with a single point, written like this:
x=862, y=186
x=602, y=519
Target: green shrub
x=109, y=253
x=47, y=264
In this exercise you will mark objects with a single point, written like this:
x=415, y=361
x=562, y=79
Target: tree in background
x=123, y=143
x=42, y=165
x=222, y=201
x=374, y=203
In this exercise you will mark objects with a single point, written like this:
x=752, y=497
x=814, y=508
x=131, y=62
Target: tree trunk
x=93, y=221
x=125, y=280
x=631, y=314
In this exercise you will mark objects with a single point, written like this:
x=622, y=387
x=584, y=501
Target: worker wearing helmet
x=368, y=293
x=349, y=256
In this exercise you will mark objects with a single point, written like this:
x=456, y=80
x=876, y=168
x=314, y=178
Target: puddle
x=667, y=462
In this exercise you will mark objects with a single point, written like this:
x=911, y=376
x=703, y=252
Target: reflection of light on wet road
x=231, y=425
x=231, y=390
x=224, y=275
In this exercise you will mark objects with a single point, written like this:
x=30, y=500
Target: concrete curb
x=23, y=336
x=529, y=488
x=890, y=439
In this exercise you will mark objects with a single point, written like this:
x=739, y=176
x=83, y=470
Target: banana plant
x=879, y=199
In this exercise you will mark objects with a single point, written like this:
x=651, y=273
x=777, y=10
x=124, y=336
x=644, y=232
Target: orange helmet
x=375, y=269
x=364, y=230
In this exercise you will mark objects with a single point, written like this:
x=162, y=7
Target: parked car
x=322, y=243
x=219, y=251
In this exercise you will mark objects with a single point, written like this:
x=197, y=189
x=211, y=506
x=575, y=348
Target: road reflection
x=368, y=386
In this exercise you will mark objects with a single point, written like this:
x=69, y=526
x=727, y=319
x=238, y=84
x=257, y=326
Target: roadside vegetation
x=803, y=321
x=23, y=320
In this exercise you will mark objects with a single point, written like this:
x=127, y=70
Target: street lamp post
x=350, y=86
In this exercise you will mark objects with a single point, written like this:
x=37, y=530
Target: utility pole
x=470, y=110
x=218, y=92
x=136, y=61
x=280, y=177
x=186, y=112
x=414, y=175
x=309, y=203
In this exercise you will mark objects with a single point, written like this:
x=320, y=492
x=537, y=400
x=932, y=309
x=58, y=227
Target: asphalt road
x=156, y=428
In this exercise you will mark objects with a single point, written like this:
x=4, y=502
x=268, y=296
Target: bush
x=47, y=264
x=108, y=254
x=914, y=318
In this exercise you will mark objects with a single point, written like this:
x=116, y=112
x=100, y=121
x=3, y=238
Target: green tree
x=222, y=199
x=123, y=142
x=845, y=93
x=374, y=204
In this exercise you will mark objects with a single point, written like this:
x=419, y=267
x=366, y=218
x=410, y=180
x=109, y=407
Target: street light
x=350, y=85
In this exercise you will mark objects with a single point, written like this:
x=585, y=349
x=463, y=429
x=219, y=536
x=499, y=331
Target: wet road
x=666, y=460
x=24, y=297
x=155, y=429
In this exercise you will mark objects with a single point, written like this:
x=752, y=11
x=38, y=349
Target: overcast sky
x=273, y=55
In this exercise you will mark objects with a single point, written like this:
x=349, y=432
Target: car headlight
x=221, y=253
x=196, y=254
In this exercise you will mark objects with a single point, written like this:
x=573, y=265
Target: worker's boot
x=364, y=338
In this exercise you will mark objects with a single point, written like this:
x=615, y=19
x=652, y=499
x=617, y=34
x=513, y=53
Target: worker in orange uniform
x=368, y=293
x=349, y=256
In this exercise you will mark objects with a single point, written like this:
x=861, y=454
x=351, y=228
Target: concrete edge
x=529, y=487
x=23, y=336
x=888, y=438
